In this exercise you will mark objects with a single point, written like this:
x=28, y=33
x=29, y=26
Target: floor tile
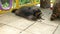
x=57, y=30
x=1, y=24
x=8, y=18
x=22, y=23
x=39, y=28
x=8, y=30
x=52, y=23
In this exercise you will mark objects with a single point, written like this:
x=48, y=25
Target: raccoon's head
x=37, y=12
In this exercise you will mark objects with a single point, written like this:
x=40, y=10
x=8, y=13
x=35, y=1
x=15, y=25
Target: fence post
x=17, y=3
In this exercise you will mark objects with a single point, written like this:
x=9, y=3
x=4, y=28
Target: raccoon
x=28, y=12
x=56, y=11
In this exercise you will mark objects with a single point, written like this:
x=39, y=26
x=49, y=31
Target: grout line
x=55, y=29
x=45, y=23
x=2, y=24
x=28, y=27
x=48, y=24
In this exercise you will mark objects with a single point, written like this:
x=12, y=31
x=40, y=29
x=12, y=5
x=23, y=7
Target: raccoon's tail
x=13, y=11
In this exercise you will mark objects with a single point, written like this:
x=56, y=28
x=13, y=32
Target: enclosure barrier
x=9, y=8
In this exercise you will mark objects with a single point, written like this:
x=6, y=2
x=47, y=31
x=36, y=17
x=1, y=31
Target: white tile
x=1, y=24
x=8, y=30
x=8, y=18
x=58, y=30
x=52, y=23
x=22, y=23
x=39, y=28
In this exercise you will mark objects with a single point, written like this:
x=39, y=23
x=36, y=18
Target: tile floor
x=12, y=24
